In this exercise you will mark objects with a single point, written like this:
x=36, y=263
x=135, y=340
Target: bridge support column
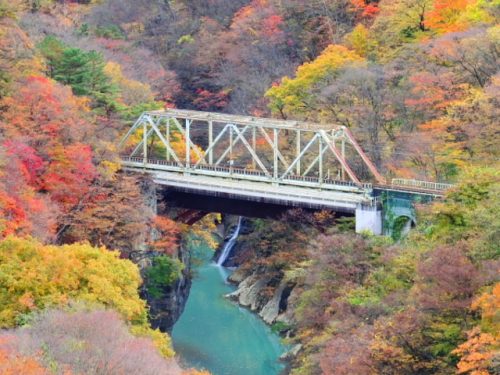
x=369, y=218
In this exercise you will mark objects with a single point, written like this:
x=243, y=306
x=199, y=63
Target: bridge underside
x=286, y=196
x=228, y=206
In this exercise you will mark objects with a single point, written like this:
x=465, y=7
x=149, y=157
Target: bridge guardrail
x=437, y=186
x=246, y=172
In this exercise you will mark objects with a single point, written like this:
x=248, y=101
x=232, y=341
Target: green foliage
x=345, y=224
x=110, y=32
x=82, y=71
x=279, y=327
x=185, y=39
x=470, y=212
x=162, y=274
x=52, y=48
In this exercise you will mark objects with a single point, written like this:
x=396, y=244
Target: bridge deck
x=344, y=199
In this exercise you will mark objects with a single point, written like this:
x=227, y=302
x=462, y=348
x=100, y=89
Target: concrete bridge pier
x=369, y=218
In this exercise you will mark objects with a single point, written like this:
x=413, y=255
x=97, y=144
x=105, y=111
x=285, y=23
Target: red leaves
x=259, y=21
x=365, y=9
x=271, y=25
x=30, y=164
x=70, y=173
x=206, y=100
x=45, y=156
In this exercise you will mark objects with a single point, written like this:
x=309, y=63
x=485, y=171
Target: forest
x=416, y=81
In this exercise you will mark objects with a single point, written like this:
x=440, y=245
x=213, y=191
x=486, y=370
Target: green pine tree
x=82, y=71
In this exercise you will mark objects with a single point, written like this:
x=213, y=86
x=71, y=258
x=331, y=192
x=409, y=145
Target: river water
x=216, y=334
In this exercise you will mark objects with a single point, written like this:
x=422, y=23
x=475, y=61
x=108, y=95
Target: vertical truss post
x=254, y=145
x=168, y=139
x=188, y=144
x=343, y=157
x=320, y=160
x=231, y=145
x=210, y=142
x=297, y=155
x=275, y=149
x=145, y=143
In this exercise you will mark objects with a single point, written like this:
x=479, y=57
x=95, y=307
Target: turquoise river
x=216, y=334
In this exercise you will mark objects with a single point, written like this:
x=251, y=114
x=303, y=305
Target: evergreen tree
x=83, y=71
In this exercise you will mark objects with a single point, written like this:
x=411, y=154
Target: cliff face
x=166, y=307
x=258, y=292
x=259, y=288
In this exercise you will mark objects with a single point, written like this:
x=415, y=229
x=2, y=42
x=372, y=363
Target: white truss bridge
x=267, y=160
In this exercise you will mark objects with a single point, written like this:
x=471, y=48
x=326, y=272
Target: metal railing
x=235, y=171
x=438, y=186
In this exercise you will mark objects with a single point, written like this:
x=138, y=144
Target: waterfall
x=230, y=244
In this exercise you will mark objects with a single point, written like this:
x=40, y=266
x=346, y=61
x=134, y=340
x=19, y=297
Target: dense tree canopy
x=416, y=81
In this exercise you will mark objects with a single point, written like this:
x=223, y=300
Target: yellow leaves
x=489, y=304
x=161, y=341
x=447, y=15
x=107, y=169
x=359, y=40
x=35, y=276
x=132, y=92
x=203, y=229
x=293, y=94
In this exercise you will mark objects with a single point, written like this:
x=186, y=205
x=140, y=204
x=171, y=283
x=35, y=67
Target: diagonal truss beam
x=340, y=158
x=132, y=130
x=316, y=160
x=232, y=143
x=274, y=146
x=367, y=161
x=299, y=157
x=213, y=145
x=164, y=141
x=141, y=143
x=251, y=150
x=188, y=141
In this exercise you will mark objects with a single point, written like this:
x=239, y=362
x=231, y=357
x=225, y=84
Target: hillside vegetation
x=417, y=82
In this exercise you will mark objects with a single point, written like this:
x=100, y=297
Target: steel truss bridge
x=292, y=163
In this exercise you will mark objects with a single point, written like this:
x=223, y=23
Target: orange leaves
x=446, y=15
x=482, y=342
x=41, y=112
x=366, y=9
x=13, y=363
x=476, y=353
x=271, y=25
x=168, y=231
x=436, y=91
x=489, y=304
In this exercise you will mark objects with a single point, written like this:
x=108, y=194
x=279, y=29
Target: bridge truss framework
x=267, y=150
